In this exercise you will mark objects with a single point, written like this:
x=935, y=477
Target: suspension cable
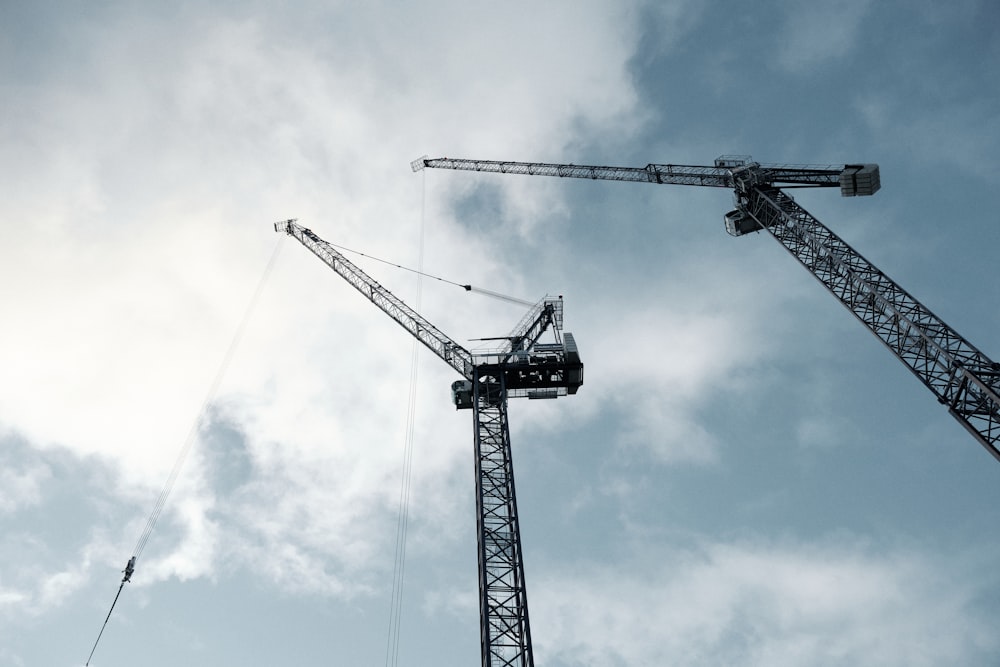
x=420, y=272
x=402, y=519
x=182, y=455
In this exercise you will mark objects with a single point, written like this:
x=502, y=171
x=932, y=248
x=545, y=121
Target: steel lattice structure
x=522, y=367
x=962, y=378
x=720, y=176
x=505, y=634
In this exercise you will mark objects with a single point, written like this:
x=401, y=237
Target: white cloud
x=21, y=488
x=28, y=589
x=56, y=588
x=757, y=603
x=671, y=353
x=147, y=183
x=143, y=172
x=664, y=427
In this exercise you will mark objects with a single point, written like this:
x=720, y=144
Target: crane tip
x=418, y=164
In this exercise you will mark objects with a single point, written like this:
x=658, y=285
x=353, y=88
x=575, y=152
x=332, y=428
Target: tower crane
x=522, y=367
x=962, y=378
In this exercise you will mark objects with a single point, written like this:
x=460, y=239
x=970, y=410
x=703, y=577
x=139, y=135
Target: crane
x=961, y=377
x=521, y=367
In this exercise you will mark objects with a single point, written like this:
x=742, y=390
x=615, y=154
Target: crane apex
x=418, y=164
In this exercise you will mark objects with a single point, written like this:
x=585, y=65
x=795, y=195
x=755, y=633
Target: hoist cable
x=420, y=272
x=402, y=519
x=161, y=500
x=105, y=623
x=209, y=397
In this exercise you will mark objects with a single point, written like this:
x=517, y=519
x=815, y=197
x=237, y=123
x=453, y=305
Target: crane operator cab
x=461, y=394
x=544, y=371
x=739, y=222
x=463, y=397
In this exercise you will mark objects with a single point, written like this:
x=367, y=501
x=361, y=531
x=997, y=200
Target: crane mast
x=961, y=377
x=521, y=367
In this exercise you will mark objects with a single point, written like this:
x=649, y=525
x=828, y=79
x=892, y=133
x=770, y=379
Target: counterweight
x=962, y=378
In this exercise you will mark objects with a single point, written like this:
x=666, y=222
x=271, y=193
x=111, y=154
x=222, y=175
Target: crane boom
x=451, y=352
x=960, y=376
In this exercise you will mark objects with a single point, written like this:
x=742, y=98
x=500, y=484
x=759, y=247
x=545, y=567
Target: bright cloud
x=753, y=603
x=146, y=153
x=159, y=177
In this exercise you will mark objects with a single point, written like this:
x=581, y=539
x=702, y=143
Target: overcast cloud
x=747, y=477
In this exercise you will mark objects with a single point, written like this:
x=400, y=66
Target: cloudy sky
x=747, y=477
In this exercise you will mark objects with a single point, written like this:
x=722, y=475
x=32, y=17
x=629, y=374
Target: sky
x=747, y=476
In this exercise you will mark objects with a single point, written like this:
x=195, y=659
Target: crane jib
x=960, y=376
x=532, y=369
x=859, y=179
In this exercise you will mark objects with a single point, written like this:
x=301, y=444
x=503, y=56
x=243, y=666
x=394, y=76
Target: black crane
x=521, y=367
x=962, y=378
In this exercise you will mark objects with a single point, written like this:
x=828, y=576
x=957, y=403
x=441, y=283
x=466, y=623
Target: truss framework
x=723, y=175
x=440, y=344
x=521, y=367
x=503, y=600
x=960, y=376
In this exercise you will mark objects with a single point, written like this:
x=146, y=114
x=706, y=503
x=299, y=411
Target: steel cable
x=182, y=455
x=420, y=272
x=402, y=520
